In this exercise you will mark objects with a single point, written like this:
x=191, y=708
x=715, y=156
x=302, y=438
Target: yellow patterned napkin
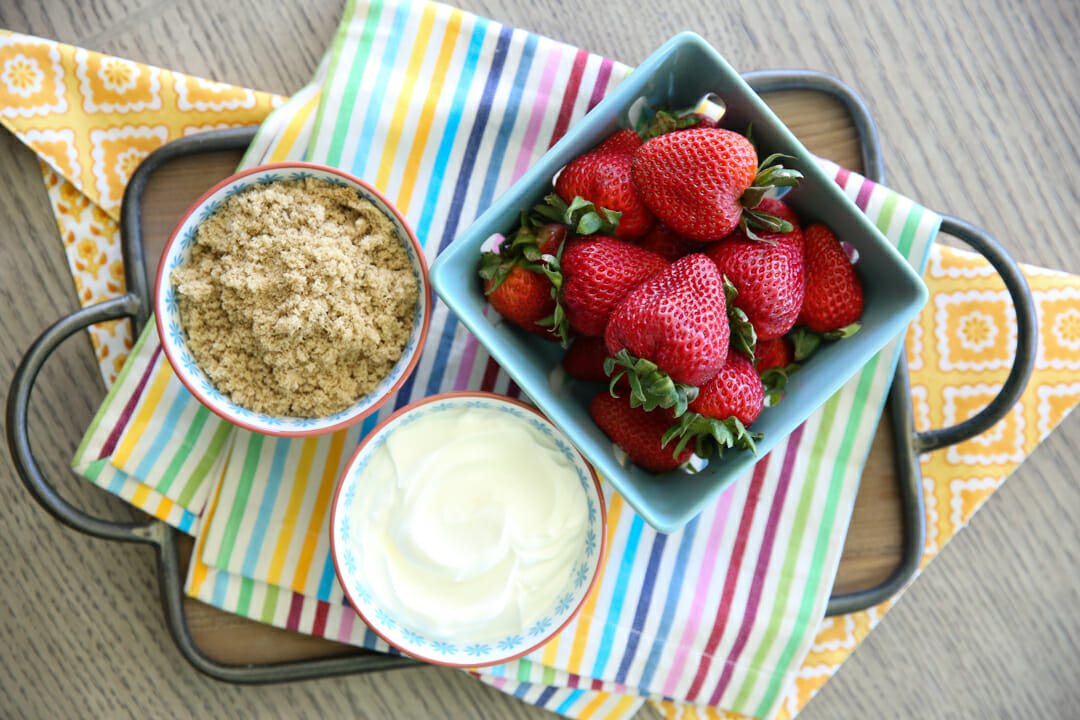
x=92, y=118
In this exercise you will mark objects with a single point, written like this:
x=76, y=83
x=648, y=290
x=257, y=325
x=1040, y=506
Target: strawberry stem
x=580, y=215
x=843, y=333
x=665, y=121
x=496, y=268
x=805, y=342
x=743, y=334
x=650, y=387
x=556, y=322
x=770, y=175
x=711, y=436
x=775, y=380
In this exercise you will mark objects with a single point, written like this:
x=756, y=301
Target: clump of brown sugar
x=297, y=298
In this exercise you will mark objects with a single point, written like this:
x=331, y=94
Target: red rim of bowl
x=426, y=322
x=374, y=433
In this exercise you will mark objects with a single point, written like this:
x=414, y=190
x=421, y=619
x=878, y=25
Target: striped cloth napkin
x=442, y=110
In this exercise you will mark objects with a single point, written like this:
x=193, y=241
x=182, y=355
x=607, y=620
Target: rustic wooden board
x=873, y=544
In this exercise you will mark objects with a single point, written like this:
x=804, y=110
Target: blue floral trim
x=510, y=643
x=385, y=619
x=540, y=627
x=590, y=543
x=477, y=650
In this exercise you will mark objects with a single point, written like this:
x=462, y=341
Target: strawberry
x=671, y=333
x=602, y=176
x=769, y=276
x=834, y=296
x=637, y=431
x=774, y=360
x=725, y=407
x=777, y=208
x=524, y=298
x=667, y=243
x=585, y=359
x=597, y=272
x=550, y=237
x=515, y=279
x=734, y=391
x=705, y=182
x=773, y=354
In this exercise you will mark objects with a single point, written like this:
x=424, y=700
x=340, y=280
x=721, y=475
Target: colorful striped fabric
x=443, y=110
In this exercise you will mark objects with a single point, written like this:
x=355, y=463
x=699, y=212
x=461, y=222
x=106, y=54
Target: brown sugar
x=298, y=298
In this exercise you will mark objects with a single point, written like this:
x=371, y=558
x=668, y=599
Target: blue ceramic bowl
x=677, y=75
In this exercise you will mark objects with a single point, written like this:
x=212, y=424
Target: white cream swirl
x=471, y=520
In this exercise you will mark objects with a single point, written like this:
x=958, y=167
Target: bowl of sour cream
x=466, y=530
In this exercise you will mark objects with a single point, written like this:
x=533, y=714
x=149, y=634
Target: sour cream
x=471, y=521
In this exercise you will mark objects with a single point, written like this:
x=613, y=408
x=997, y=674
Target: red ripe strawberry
x=597, y=272
x=700, y=181
x=515, y=278
x=667, y=243
x=734, y=391
x=524, y=298
x=602, y=176
x=637, y=431
x=549, y=237
x=769, y=277
x=585, y=359
x=671, y=332
x=773, y=354
x=834, y=296
x=777, y=208
x=773, y=360
x=725, y=407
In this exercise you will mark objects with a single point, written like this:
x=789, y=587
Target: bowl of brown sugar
x=292, y=299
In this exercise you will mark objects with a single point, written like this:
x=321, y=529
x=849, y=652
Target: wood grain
x=978, y=104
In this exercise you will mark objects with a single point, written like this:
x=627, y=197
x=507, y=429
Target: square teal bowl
x=677, y=75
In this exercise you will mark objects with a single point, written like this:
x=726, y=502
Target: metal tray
x=136, y=304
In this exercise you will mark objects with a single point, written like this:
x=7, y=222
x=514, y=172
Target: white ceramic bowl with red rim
x=173, y=338
x=470, y=652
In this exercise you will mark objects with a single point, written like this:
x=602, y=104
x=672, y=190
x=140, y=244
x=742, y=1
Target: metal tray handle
x=1026, y=339
x=152, y=531
x=18, y=435
x=909, y=443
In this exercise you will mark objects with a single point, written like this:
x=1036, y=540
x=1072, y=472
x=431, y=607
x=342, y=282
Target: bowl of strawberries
x=677, y=284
